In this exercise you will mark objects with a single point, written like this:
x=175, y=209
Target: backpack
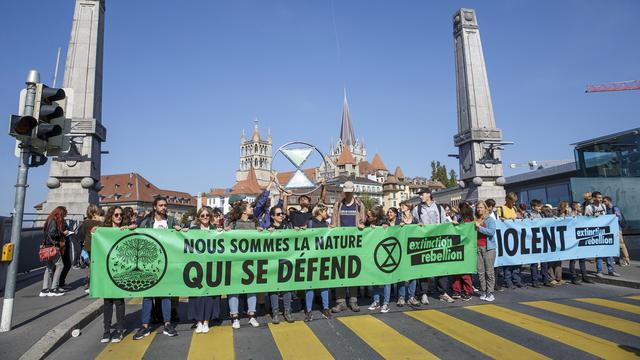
x=437, y=206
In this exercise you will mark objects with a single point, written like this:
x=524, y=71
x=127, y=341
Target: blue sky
x=181, y=79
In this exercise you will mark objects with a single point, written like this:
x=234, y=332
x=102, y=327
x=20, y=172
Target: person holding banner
x=240, y=218
x=543, y=273
x=597, y=208
x=114, y=218
x=278, y=222
x=622, y=223
x=157, y=219
x=486, y=228
x=428, y=212
x=508, y=211
x=576, y=210
x=462, y=283
x=406, y=218
x=349, y=211
x=376, y=217
x=319, y=220
x=201, y=307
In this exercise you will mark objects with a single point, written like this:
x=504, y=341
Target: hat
x=234, y=198
x=424, y=190
x=347, y=186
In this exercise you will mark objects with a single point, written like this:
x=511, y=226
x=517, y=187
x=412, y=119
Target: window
x=558, y=193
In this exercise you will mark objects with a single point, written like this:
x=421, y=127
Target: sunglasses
x=204, y=215
x=117, y=214
x=278, y=214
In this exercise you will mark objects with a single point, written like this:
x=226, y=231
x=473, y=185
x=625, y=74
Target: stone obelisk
x=74, y=178
x=478, y=139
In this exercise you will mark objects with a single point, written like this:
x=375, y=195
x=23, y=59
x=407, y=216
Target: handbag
x=48, y=252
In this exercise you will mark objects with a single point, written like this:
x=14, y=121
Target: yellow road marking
x=127, y=348
x=482, y=340
x=593, y=317
x=297, y=341
x=574, y=338
x=384, y=339
x=135, y=301
x=216, y=344
x=634, y=309
x=635, y=297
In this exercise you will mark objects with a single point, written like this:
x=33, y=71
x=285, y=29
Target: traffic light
x=21, y=127
x=50, y=118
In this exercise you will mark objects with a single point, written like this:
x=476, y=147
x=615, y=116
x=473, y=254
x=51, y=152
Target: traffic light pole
x=18, y=210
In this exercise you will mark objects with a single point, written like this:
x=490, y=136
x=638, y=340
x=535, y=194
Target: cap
x=347, y=186
x=424, y=190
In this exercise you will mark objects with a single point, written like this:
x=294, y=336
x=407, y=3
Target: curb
x=616, y=281
x=62, y=332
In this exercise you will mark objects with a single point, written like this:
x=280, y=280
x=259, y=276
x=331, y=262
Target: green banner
x=146, y=262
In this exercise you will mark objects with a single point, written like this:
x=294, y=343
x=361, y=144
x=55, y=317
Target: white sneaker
x=374, y=306
x=205, y=328
x=385, y=309
x=446, y=298
x=44, y=293
x=236, y=324
x=199, y=328
x=483, y=297
x=254, y=322
x=425, y=299
x=489, y=298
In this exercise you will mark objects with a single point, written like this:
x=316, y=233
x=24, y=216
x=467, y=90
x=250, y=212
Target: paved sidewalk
x=34, y=316
x=629, y=275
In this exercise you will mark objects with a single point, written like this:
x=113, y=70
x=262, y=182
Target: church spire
x=347, y=135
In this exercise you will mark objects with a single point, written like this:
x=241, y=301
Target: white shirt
x=160, y=224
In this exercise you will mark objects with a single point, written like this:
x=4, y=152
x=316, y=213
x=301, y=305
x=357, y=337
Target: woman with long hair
x=114, y=218
x=201, y=307
x=241, y=218
x=55, y=230
x=486, y=228
x=406, y=218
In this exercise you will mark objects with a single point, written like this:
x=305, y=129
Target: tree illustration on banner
x=136, y=263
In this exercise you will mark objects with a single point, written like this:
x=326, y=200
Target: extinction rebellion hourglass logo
x=136, y=262
x=387, y=255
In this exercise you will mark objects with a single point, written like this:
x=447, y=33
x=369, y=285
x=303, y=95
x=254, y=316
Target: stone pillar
x=74, y=177
x=478, y=138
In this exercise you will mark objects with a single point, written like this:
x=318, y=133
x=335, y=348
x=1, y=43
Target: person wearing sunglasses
x=279, y=222
x=201, y=307
x=113, y=218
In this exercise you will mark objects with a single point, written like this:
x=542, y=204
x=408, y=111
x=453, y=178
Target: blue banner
x=521, y=242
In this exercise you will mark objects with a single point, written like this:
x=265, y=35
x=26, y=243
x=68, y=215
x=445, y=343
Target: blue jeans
x=538, y=275
x=324, y=295
x=512, y=275
x=609, y=264
x=234, y=304
x=147, y=304
x=402, y=288
x=387, y=294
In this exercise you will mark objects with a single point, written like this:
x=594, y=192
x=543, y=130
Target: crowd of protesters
x=348, y=211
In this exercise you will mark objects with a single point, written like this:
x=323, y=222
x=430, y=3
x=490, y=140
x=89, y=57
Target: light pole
x=18, y=209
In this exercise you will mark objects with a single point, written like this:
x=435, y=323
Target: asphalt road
x=523, y=323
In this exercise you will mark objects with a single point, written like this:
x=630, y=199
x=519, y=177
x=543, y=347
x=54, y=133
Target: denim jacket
x=489, y=229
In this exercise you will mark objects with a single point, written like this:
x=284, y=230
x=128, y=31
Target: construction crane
x=614, y=86
x=537, y=165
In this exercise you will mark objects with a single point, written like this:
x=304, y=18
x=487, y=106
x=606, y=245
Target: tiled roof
x=346, y=157
x=249, y=186
x=365, y=167
x=132, y=187
x=399, y=174
x=377, y=163
x=217, y=192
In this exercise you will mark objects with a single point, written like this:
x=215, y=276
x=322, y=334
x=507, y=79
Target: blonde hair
x=587, y=196
x=203, y=209
x=511, y=196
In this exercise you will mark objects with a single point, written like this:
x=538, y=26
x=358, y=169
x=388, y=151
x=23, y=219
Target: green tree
x=368, y=202
x=439, y=173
